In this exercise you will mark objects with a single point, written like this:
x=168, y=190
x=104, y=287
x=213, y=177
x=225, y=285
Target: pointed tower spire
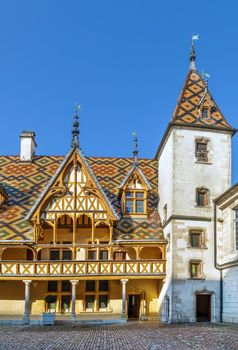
x=75, y=131
x=135, y=152
x=192, y=53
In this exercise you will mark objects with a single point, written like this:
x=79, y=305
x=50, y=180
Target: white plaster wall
x=188, y=174
x=230, y=290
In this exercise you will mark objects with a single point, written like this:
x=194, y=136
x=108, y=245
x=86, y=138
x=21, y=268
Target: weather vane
x=205, y=77
x=78, y=107
x=195, y=37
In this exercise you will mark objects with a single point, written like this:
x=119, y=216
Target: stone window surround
x=207, y=191
x=207, y=141
x=200, y=231
x=200, y=275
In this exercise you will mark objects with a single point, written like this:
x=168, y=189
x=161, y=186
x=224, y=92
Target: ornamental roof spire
x=135, y=151
x=75, y=130
x=192, y=53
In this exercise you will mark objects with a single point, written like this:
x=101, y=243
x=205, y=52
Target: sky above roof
x=124, y=61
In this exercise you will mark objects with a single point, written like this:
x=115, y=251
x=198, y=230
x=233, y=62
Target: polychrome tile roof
x=187, y=109
x=23, y=184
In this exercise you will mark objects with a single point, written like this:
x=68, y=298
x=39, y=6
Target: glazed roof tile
x=187, y=109
x=25, y=182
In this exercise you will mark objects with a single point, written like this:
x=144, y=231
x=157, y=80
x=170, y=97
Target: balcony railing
x=82, y=268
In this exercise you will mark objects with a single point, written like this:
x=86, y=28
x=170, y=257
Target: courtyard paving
x=131, y=336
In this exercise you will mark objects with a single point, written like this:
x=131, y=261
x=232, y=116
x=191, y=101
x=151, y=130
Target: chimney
x=27, y=146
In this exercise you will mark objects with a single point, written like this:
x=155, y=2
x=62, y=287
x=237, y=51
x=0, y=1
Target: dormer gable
x=134, y=191
x=73, y=190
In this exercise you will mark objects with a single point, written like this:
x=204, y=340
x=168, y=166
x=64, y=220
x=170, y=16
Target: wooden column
x=93, y=229
x=27, y=301
x=55, y=230
x=73, y=314
x=123, y=311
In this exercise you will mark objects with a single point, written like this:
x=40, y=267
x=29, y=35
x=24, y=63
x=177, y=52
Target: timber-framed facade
x=81, y=252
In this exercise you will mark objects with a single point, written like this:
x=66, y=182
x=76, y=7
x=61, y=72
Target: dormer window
x=134, y=192
x=134, y=202
x=205, y=113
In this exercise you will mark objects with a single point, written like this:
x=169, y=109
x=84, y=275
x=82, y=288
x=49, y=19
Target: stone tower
x=194, y=168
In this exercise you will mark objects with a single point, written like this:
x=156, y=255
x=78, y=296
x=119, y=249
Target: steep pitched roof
x=134, y=168
x=24, y=183
x=187, y=109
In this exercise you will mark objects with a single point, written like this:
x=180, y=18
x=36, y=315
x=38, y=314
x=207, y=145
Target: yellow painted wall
x=12, y=296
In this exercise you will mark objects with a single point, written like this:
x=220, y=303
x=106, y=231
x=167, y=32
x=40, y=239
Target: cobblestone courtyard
x=133, y=336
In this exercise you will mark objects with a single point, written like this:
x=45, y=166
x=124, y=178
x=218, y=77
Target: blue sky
x=124, y=61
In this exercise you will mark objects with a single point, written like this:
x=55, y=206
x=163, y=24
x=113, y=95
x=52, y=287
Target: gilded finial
x=75, y=131
x=135, y=152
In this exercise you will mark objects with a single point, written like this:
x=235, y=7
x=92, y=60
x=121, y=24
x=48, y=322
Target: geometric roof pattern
x=187, y=111
x=24, y=182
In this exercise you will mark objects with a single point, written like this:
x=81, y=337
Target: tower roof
x=195, y=97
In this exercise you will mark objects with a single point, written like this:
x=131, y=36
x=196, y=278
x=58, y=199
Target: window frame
x=204, y=191
x=201, y=239
x=134, y=199
x=96, y=294
x=199, y=267
x=201, y=154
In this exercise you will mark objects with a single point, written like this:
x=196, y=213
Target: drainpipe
x=215, y=260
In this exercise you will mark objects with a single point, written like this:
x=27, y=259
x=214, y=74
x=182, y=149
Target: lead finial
x=192, y=52
x=135, y=152
x=75, y=131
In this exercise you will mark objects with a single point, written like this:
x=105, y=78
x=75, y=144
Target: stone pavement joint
x=130, y=336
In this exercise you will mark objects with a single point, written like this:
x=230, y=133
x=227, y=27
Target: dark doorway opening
x=133, y=306
x=203, y=307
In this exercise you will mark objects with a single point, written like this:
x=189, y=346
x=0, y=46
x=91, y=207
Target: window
x=67, y=255
x=90, y=302
x=103, y=286
x=52, y=286
x=103, y=301
x=196, y=239
x=60, y=254
x=205, y=113
x=66, y=286
x=54, y=255
x=119, y=256
x=236, y=228
x=202, y=197
x=96, y=296
x=92, y=255
x=196, y=269
x=201, y=151
x=134, y=202
x=90, y=286
x=103, y=255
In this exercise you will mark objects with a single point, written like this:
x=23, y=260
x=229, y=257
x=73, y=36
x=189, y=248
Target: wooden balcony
x=82, y=269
